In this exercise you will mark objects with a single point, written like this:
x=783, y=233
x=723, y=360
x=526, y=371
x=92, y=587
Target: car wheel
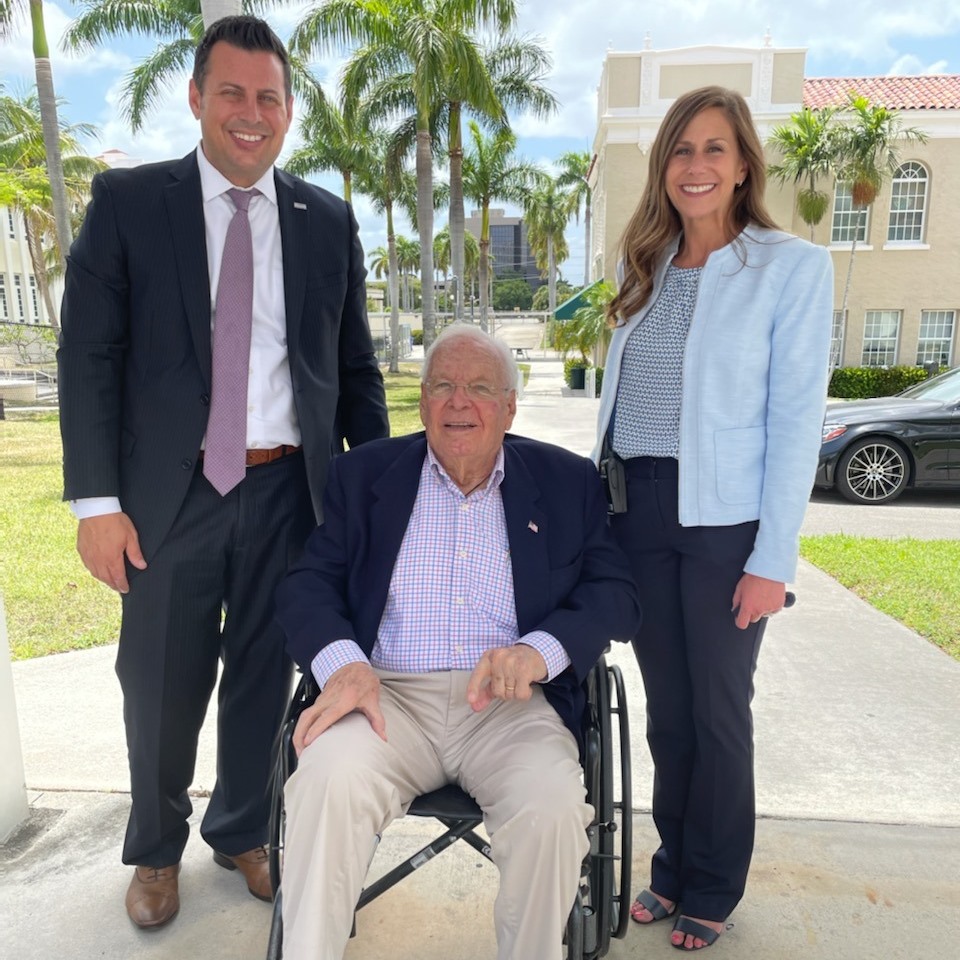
x=873, y=470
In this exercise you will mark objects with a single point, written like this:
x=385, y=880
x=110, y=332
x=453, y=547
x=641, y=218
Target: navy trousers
x=697, y=671
x=207, y=597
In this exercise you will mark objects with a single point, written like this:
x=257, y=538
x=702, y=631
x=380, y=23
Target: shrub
x=860, y=383
x=416, y=337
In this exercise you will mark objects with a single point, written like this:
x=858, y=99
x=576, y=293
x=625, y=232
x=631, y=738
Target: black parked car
x=874, y=449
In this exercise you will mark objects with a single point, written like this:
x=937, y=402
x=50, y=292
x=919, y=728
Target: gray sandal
x=653, y=906
x=689, y=927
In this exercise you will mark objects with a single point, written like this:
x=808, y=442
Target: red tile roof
x=929, y=92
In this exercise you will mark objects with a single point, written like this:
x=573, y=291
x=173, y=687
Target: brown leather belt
x=260, y=456
x=256, y=458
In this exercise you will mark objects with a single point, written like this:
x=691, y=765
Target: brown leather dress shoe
x=152, y=897
x=255, y=867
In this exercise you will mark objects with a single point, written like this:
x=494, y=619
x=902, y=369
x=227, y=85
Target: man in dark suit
x=196, y=466
x=462, y=585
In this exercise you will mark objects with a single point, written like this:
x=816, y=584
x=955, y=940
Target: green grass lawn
x=914, y=581
x=52, y=603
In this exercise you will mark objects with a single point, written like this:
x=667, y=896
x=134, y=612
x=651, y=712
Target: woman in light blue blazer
x=712, y=404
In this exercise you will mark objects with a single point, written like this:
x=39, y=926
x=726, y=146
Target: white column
x=13, y=792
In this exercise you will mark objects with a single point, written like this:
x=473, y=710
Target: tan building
x=20, y=300
x=905, y=286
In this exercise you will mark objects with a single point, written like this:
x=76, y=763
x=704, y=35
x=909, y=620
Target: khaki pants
x=517, y=760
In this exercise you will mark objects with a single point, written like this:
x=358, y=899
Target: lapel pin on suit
x=297, y=205
x=532, y=526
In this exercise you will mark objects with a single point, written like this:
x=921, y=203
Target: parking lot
x=923, y=514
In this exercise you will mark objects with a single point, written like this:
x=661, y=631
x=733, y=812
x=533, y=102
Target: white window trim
x=905, y=245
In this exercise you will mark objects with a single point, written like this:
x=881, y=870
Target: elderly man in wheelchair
x=452, y=604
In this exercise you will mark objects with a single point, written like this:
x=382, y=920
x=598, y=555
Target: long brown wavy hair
x=655, y=223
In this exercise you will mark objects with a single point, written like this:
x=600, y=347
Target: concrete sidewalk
x=858, y=789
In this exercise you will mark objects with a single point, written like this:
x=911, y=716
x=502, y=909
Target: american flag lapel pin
x=532, y=526
x=297, y=205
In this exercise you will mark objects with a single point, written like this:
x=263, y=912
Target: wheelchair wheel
x=612, y=867
x=601, y=909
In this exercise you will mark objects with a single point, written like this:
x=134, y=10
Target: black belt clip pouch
x=614, y=476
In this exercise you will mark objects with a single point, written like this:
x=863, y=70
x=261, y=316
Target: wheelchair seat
x=601, y=909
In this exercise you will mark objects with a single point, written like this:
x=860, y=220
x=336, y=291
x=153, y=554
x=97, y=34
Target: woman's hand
x=757, y=597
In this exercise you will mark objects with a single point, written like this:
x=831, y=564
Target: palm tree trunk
x=587, y=257
x=483, y=266
x=457, y=256
x=47, y=96
x=484, y=285
x=853, y=250
x=40, y=270
x=425, y=225
x=393, y=282
x=551, y=276
x=347, y=186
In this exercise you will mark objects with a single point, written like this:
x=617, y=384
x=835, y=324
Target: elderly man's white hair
x=464, y=332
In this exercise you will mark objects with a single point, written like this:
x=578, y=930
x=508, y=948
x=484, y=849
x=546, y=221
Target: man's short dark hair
x=246, y=33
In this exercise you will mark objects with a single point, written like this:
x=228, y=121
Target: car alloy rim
x=875, y=472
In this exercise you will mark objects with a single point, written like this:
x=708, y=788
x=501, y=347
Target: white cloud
x=17, y=51
x=852, y=38
x=910, y=65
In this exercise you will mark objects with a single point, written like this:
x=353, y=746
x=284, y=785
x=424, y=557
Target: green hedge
x=859, y=383
x=417, y=337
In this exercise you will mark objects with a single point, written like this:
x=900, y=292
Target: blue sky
x=850, y=38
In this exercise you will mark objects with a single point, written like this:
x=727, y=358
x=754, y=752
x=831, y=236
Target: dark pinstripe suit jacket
x=135, y=351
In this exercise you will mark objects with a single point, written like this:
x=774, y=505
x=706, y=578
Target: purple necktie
x=225, y=454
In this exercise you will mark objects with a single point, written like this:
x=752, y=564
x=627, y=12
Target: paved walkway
x=858, y=842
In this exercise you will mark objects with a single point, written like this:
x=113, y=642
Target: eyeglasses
x=445, y=389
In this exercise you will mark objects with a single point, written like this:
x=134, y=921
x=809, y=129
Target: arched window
x=908, y=203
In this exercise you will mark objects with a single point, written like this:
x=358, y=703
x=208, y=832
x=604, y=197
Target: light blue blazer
x=754, y=389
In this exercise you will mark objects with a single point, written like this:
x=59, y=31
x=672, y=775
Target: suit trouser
x=223, y=555
x=697, y=671
x=517, y=760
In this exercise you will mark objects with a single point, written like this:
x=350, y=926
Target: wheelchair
x=601, y=907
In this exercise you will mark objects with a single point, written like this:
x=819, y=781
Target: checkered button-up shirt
x=451, y=596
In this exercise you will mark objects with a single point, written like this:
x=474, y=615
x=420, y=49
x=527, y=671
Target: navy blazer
x=570, y=578
x=135, y=350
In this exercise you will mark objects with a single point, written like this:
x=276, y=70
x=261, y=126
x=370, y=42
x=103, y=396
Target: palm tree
x=27, y=186
x=427, y=39
x=588, y=326
x=47, y=99
x=492, y=172
x=867, y=148
x=334, y=138
x=547, y=210
x=442, y=256
x=574, y=168
x=179, y=25
x=515, y=68
x=809, y=151
x=388, y=185
x=408, y=259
